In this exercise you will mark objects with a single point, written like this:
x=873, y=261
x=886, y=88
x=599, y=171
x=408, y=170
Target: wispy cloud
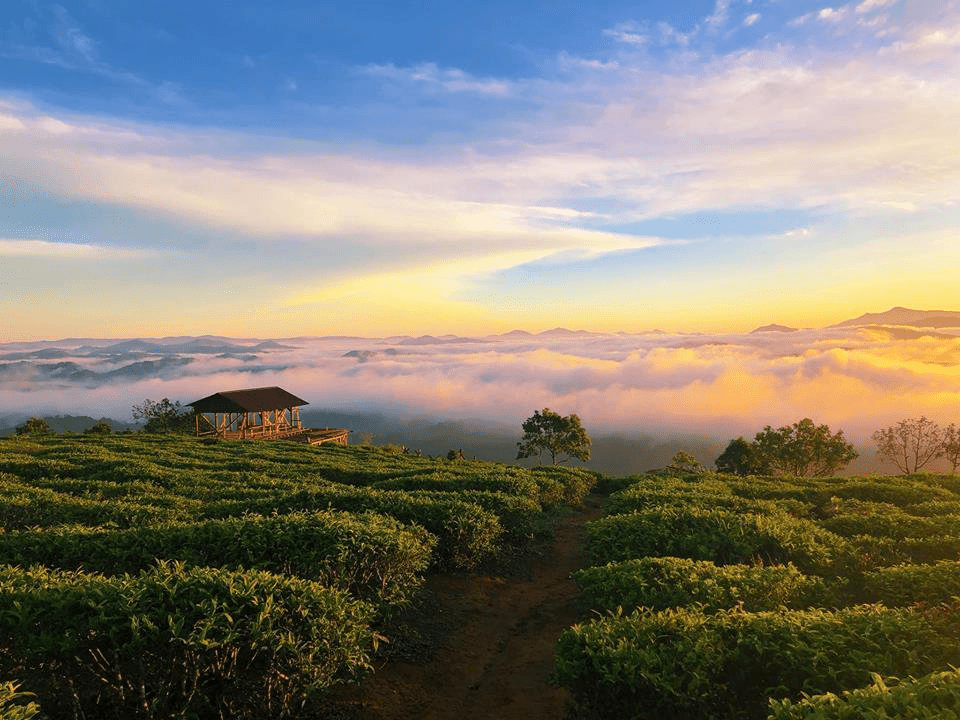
x=446, y=79
x=67, y=251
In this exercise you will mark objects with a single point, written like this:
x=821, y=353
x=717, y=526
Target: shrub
x=372, y=556
x=718, y=535
x=687, y=664
x=178, y=642
x=466, y=533
x=661, y=583
x=932, y=697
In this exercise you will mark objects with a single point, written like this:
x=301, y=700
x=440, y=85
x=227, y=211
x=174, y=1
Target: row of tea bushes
x=932, y=697
x=657, y=583
x=372, y=556
x=685, y=663
x=721, y=593
x=466, y=533
x=722, y=536
x=178, y=642
x=660, y=583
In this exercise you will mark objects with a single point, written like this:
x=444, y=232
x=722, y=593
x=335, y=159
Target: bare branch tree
x=910, y=444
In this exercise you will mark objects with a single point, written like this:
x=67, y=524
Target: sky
x=302, y=168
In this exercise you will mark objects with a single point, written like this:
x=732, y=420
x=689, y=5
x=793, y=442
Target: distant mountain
x=906, y=316
x=773, y=328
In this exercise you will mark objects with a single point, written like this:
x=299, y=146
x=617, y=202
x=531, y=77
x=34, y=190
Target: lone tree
x=802, y=449
x=34, y=426
x=684, y=463
x=910, y=444
x=558, y=435
x=163, y=416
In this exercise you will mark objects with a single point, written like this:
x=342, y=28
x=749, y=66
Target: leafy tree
x=910, y=444
x=802, y=449
x=100, y=427
x=684, y=463
x=558, y=435
x=34, y=426
x=740, y=458
x=163, y=416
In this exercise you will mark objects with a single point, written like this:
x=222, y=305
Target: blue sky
x=378, y=168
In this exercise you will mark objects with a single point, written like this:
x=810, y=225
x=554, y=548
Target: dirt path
x=496, y=641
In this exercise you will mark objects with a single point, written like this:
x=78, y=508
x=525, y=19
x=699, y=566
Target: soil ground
x=481, y=645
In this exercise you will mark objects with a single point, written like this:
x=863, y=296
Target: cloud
x=722, y=385
x=67, y=251
x=871, y=5
x=751, y=19
x=446, y=79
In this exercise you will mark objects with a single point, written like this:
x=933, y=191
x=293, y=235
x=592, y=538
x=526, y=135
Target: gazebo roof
x=252, y=400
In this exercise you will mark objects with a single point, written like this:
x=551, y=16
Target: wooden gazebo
x=268, y=413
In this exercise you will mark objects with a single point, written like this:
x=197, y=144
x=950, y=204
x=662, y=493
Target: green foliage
x=662, y=583
x=560, y=436
x=178, y=642
x=101, y=427
x=802, y=449
x=720, y=536
x=683, y=463
x=684, y=663
x=372, y=556
x=739, y=458
x=14, y=704
x=34, y=426
x=932, y=697
x=163, y=416
x=904, y=585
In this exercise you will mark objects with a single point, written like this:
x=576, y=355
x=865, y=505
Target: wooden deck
x=309, y=436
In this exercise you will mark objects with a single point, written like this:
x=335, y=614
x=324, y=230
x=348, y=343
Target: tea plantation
x=726, y=598
x=158, y=577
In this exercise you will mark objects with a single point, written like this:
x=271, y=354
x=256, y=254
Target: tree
x=100, y=427
x=740, y=458
x=558, y=435
x=910, y=444
x=163, y=416
x=802, y=449
x=684, y=463
x=951, y=446
x=34, y=426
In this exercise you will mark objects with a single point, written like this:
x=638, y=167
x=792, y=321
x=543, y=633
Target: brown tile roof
x=252, y=400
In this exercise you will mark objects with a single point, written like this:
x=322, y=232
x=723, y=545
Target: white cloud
x=66, y=251
x=751, y=19
x=447, y=79
x=870, y=5
x=630, y=33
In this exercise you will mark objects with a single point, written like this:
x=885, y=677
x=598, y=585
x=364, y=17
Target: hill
x=906, y=316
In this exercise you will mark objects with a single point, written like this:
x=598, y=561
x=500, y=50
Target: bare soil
x=481, y=646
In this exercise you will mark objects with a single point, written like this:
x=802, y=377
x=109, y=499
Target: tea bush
x=661, y=583
x=721, y=536
x=178, y=642
x=932, y=697
x=372, y=556
x=686, y=664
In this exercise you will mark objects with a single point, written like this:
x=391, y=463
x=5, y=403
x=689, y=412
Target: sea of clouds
x=644, y=385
